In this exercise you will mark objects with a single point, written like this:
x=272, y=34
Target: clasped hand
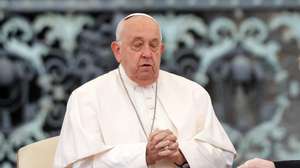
x=162, y=144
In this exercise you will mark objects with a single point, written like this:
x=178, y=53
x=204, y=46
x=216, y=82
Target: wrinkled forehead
x=133, y=20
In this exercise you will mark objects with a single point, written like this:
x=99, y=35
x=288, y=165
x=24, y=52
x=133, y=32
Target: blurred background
x=244, y=52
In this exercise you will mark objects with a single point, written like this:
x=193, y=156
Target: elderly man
x=139, y=116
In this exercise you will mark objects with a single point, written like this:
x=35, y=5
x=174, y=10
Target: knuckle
x=155, y=139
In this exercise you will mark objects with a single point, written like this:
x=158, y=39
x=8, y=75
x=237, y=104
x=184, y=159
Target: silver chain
x=136, y=112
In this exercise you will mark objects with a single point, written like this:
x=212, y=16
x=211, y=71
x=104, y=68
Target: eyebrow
x=141, y=38
x=136, y=38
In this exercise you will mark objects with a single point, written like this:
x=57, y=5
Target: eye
x=154, y=45
x=137, y=45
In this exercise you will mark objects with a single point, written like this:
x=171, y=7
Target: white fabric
x=144, y=101
x=101, y=129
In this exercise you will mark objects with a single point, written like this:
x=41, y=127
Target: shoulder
x=97, y=84
x=182, y=83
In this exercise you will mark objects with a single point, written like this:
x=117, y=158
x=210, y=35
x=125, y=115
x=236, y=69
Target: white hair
x=120, y=24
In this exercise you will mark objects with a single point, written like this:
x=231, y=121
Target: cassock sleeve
x=210, y=147
x=81, y=143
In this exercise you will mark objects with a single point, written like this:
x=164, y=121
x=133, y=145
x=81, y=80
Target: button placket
x=149, y=103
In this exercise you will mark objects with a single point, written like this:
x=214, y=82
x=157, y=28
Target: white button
x=150, y=106
x=149, y=97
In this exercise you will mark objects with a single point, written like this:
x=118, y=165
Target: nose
x=147, y=52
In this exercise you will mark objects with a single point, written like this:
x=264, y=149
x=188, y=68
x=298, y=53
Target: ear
x=115, y=47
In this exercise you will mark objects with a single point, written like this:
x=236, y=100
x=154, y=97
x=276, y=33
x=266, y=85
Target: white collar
x=130, y=83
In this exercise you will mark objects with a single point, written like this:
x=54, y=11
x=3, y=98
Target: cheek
x=133, y=60
x=157, y=59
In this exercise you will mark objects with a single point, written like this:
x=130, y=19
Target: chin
x=147, y=76
x=146, y=79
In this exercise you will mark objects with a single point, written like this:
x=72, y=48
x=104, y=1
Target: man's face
x=139, y=49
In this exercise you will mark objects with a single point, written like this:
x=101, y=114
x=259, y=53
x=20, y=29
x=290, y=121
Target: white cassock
x=101, y=128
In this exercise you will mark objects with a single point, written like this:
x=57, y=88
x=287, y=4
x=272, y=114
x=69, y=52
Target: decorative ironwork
x=130, y=5
x=247, y=62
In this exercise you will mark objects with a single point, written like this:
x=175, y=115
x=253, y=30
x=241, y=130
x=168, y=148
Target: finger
x=151, y=147
x=156, y=131
x=174, y=154
x=162, y=144
x=173, y=146
x=171, y=137
x=165, y=153
x=158, y=137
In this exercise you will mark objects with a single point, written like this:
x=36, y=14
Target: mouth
x=146, y=65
